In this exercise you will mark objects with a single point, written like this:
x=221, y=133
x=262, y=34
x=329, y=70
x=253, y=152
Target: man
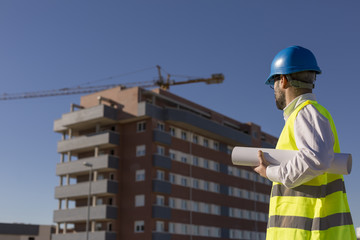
x=306, y=202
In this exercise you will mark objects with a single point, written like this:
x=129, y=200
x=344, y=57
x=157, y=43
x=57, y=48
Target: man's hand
x=261, y=169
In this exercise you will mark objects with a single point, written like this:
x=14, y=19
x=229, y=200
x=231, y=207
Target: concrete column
x=92, y=226
x=59, y=204
x=60, y=181
x=66, y=203
x=62, y=158
x=95, y=176
x=57, y=228
x=93, y=201
x=65, y=227
x=96, y=152
x=70, y=133
x=69, y=156
x=67, y=179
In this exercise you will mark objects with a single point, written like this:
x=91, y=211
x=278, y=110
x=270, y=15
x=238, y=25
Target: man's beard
x=280, y=100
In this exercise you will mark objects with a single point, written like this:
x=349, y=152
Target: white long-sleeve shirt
x=315, y=141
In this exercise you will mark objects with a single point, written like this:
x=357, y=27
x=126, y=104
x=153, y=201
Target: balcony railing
x=101, y=212
x=100, y=114
x=103, y=162
x=98, y=235
x=87, y=142
x=100, y=187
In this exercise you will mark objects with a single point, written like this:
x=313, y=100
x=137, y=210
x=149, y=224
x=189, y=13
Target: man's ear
x=283, y=82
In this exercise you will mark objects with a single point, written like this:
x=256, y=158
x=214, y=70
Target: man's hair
x=306, y=76
x=300, y=78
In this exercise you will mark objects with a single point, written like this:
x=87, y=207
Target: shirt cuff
x=272, y=173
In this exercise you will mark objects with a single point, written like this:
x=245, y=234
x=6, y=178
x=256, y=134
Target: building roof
x=19, y=229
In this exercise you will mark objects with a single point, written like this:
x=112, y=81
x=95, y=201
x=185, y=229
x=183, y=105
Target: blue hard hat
x=291, y=60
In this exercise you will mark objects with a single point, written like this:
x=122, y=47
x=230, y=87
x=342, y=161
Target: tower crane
x=160, y=82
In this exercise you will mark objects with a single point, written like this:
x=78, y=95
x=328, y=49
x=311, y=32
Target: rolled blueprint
x=247, y=156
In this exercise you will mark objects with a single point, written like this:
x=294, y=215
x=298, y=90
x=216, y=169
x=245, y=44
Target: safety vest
x=317, y=209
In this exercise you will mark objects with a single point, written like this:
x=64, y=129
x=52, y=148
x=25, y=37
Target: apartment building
x=155, y=166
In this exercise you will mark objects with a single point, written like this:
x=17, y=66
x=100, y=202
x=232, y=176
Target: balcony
x=162, y=137
x=88, y=142
x=103, y=162
x=84, y=118
x=99, y=188
x=101, y=212
x=161, y=161
x=161, y=212
x=161, y=236
x=99, y=235
x=160, y=186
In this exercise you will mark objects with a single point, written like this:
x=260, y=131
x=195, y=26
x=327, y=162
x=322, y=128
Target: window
x=195, y=230
x=112, y=176
x=216, y=188
x=140, y=150
x=245, y=194
x=206, y=163
x=161, y=126
x=216, y=146
x=195, y=206
x=109, y=227
x=184, y=228
x=160, y=226
x=246, y=214
x=98, y=226
x=229, y=150
x=160, y=200
x=100, y=177
x=206, y=142
x=184, y=182
x=140, y=200
x=140, y=175
x=184, y=204
x=141, y=126
x=183, y=159
x=172, y=178
x=139, y=226
x=99, y=201
x=230, y=191
x=206, y=186
x=195, y=183
x=171, y=202
x=215, y=209
x=160, y=175
x=195, y=139
x=195, y=161
x=171, y=228
x=172, y=131
x=206, y=208
x=216, y=166
x=160, y=150
x=172, y=156
x=183, y=135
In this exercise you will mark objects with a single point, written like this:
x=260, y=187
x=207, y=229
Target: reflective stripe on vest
x=311, y=224
x=317, y=209
x=309, y=191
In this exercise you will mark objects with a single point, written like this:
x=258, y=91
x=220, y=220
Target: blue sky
x=56, y=44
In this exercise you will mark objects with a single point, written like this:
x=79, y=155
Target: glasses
x=273, y=80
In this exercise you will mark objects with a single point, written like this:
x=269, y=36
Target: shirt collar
x=296, y=102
